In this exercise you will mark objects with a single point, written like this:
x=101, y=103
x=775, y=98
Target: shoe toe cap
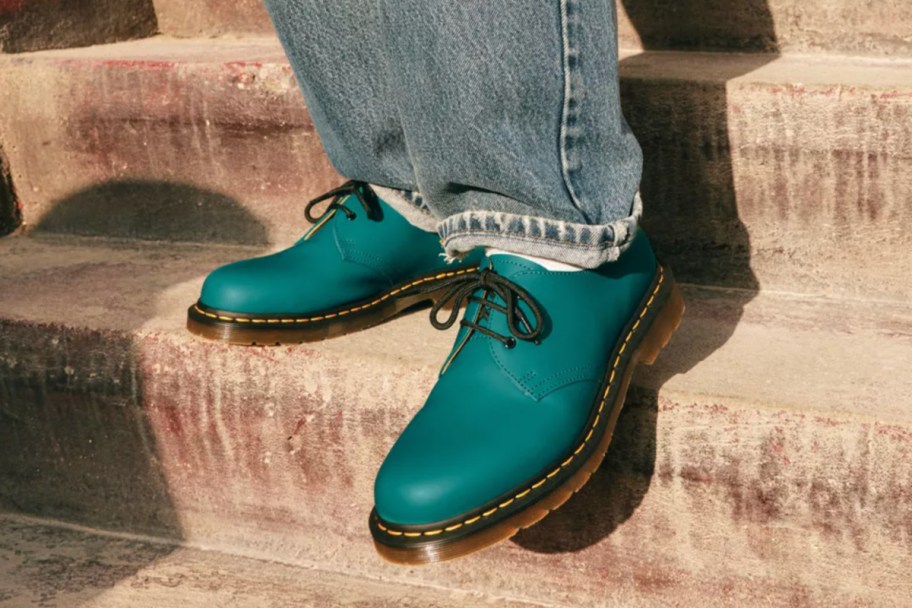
x=247, y=286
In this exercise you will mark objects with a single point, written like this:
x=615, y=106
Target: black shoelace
x=460, y=290
x=360, y=190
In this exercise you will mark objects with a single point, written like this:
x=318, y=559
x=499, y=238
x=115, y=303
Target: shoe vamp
x=302, y=279
x=474, y=441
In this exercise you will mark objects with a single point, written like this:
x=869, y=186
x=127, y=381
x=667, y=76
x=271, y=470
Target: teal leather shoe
x=360, y=264
x=526, y=403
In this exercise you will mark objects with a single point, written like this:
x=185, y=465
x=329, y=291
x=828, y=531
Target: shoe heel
x=663, y=327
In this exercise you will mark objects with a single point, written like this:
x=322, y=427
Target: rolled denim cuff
x=409, y=205
x=584, y=245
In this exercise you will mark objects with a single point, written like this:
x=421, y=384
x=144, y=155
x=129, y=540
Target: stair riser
x=273, y=452
x=782, y=186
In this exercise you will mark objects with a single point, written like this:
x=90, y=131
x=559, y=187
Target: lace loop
x=360, y=190
x=459, y=292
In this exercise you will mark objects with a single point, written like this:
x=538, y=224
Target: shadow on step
x=155, y=210
x=691, y=197
x=81, y=433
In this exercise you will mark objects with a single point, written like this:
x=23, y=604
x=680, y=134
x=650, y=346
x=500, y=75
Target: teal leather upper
x=498, y=416
x=338, y=261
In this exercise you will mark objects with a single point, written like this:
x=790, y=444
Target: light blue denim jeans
x=496, y=122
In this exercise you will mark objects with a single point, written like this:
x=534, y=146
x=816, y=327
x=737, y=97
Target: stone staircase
x=765, y=461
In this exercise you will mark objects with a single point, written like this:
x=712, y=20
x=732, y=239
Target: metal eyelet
x=510, y=343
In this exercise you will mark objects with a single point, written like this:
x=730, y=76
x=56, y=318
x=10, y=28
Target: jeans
x=496, y=122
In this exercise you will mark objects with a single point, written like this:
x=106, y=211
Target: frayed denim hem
x=584, y=245
x=410, y=205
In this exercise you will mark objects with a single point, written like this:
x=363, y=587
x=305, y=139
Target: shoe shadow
x=692, y=216
x=81, y=433
x=154, y=210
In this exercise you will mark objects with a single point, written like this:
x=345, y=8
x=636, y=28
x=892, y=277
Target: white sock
x=545, y=263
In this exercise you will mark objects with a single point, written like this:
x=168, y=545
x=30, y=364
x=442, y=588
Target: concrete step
x=47, y=565
x=836, y=26
x=765, y=460
x=760, y=170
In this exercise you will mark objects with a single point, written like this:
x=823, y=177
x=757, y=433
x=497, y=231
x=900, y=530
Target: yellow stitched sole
x=274, y=331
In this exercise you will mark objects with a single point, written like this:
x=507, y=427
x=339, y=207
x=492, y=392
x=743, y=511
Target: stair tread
x=815, y=355
x=772, y=464
x=46, y=564
x=805, y=68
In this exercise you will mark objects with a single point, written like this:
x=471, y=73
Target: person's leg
x=505, y=116
x=337, y=51
x=512, y=118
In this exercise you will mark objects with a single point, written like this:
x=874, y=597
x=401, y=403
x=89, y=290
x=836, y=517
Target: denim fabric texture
x=503, y=114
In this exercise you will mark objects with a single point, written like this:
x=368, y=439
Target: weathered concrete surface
x=162, y=139
x=880, y=27
x=43, y=565
x=212, y=18
x=765, y=461
x=31, y=25
x=760, y=171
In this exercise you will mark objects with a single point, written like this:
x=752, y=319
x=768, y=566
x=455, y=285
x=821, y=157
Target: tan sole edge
x=249, y=335
x=664, y=326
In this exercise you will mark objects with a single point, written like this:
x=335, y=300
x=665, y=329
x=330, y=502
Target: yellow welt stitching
x=412, y=534
x=581, y=447
x=383, y=298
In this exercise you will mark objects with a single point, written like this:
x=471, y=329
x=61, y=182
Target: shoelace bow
x=460, y=290
x=360, y=190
